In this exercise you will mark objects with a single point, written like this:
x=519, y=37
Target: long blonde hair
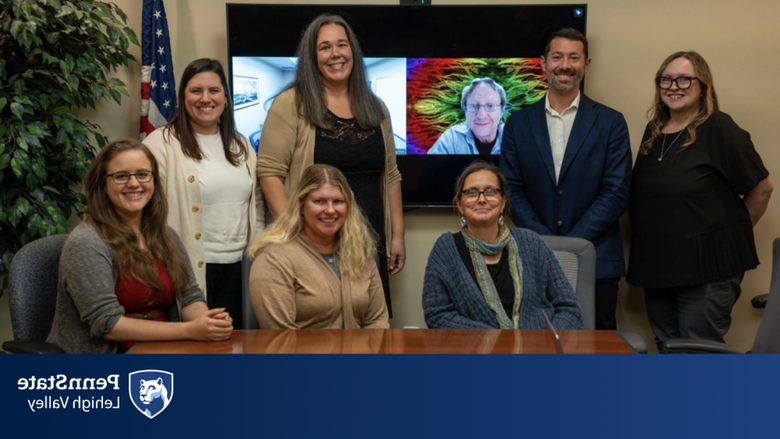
x=356, y=241
x=659, y=113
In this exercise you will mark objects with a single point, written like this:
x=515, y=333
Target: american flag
x=158, y=93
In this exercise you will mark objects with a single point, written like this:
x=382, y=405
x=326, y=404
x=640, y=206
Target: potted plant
x=55, y=57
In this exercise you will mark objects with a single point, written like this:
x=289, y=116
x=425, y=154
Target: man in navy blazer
x=567, y=160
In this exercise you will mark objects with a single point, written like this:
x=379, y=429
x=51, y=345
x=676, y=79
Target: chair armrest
x=759, y=302
x=26, y=346
x=634, y=341
x=693, y=346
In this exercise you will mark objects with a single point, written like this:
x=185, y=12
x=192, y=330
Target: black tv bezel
x=454, y=31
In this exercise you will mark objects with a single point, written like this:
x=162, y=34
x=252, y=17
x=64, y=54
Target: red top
x=135, y=297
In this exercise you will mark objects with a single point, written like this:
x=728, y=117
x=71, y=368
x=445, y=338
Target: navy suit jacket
x=592, y=190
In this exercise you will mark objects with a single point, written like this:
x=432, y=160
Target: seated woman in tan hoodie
x=314, y=266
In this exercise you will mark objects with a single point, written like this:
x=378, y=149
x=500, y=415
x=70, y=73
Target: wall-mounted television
x=418, y=61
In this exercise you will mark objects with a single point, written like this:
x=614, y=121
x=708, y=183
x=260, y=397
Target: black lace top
x=360, y=155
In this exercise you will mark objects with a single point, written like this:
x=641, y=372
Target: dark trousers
x=223, y=290
x=606, y=303
x=693, y=311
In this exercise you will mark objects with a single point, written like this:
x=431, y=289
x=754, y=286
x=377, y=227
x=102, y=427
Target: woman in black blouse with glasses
x=698, y=189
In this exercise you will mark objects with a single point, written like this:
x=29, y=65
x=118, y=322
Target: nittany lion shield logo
x=151, y=391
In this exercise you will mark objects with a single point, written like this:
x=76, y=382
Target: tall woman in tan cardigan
x=329, y=115
x=314, y=267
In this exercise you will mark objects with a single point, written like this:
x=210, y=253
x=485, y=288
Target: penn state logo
x=151, y=391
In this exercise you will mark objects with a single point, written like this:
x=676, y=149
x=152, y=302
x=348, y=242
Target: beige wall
x=629, y=39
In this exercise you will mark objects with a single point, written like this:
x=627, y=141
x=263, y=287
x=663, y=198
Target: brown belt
x=151, y=315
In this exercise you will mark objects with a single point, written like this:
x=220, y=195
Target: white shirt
x=225, y=193
x=559, y=127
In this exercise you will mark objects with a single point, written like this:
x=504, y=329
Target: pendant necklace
x=663, y=145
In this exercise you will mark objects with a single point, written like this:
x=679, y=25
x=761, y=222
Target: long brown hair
x=127, y=255
x=180, y=127
x=659, y=113
x=310, y=93
x=356, y=240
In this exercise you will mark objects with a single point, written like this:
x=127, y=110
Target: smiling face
x=681, y=101
x=204, y=100
x=334, y=55
x=565, y=65
x=324, y=212
x=484, y=124
x=129, y=199
x=481, y=212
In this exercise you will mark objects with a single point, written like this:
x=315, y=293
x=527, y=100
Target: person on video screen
x=484, y=101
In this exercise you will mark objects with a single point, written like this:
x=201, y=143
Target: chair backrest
x=577, y=257
x=32, y=279
x=767, y=340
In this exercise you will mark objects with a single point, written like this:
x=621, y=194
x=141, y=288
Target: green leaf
x=44, y=101
x=121, y=15
x=16, y=26
x=14, y=216
x=3, y=216
x=61, y=230
x=4, y=160
x=2, y=147
x=3, y=102
x=17, y=168
x=24, y=239
x=35, y=130
x=59, y=219
x=62, y=137
x=38, y=195
x=42, y=228
x=17, y=109
x=23, y=205
x=52, y=210
x=51, y=189
x=31, y=181
x=55, y=4
x=93, y=70
x=3, y=129
x=22, y=143
x=96, y=91
x=131, y=35
x=73, y=80
x=40, y=171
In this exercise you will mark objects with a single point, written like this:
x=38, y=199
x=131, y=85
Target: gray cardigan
x=451, y=298
x=87, y=307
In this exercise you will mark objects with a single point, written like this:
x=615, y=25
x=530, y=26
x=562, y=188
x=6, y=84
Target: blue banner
x=393, y=396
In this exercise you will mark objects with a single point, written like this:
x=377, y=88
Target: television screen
x=419, y=61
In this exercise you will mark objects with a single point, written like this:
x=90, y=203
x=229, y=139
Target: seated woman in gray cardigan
x=492, y=276
x=124, y=274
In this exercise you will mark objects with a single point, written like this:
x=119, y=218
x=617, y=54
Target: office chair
x=33, y=276
x=577, y=257
x=768, y=335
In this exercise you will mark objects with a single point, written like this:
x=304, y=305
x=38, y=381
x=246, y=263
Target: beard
x=561, y=88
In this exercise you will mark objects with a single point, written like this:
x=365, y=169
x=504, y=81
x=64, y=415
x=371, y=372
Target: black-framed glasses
x=474, y=108
x=683, y=82
x=491, y=194
x=124, y=177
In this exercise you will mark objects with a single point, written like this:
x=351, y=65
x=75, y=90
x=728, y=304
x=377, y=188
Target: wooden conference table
x=395, y=341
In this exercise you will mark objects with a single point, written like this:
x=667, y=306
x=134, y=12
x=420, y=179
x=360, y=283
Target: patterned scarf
x=478, y=248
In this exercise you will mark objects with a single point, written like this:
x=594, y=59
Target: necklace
x=663, y=145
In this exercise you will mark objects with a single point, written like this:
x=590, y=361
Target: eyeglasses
x=491, y=194
x=683, y=82
x=474, y=108
x=124, y=177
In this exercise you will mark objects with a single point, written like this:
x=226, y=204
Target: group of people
x=160, y=254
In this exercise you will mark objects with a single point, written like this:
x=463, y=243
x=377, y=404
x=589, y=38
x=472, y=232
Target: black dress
x=689, y=224
x=360, y=155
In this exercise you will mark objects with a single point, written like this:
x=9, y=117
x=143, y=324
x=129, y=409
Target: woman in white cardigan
x=208, y=170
